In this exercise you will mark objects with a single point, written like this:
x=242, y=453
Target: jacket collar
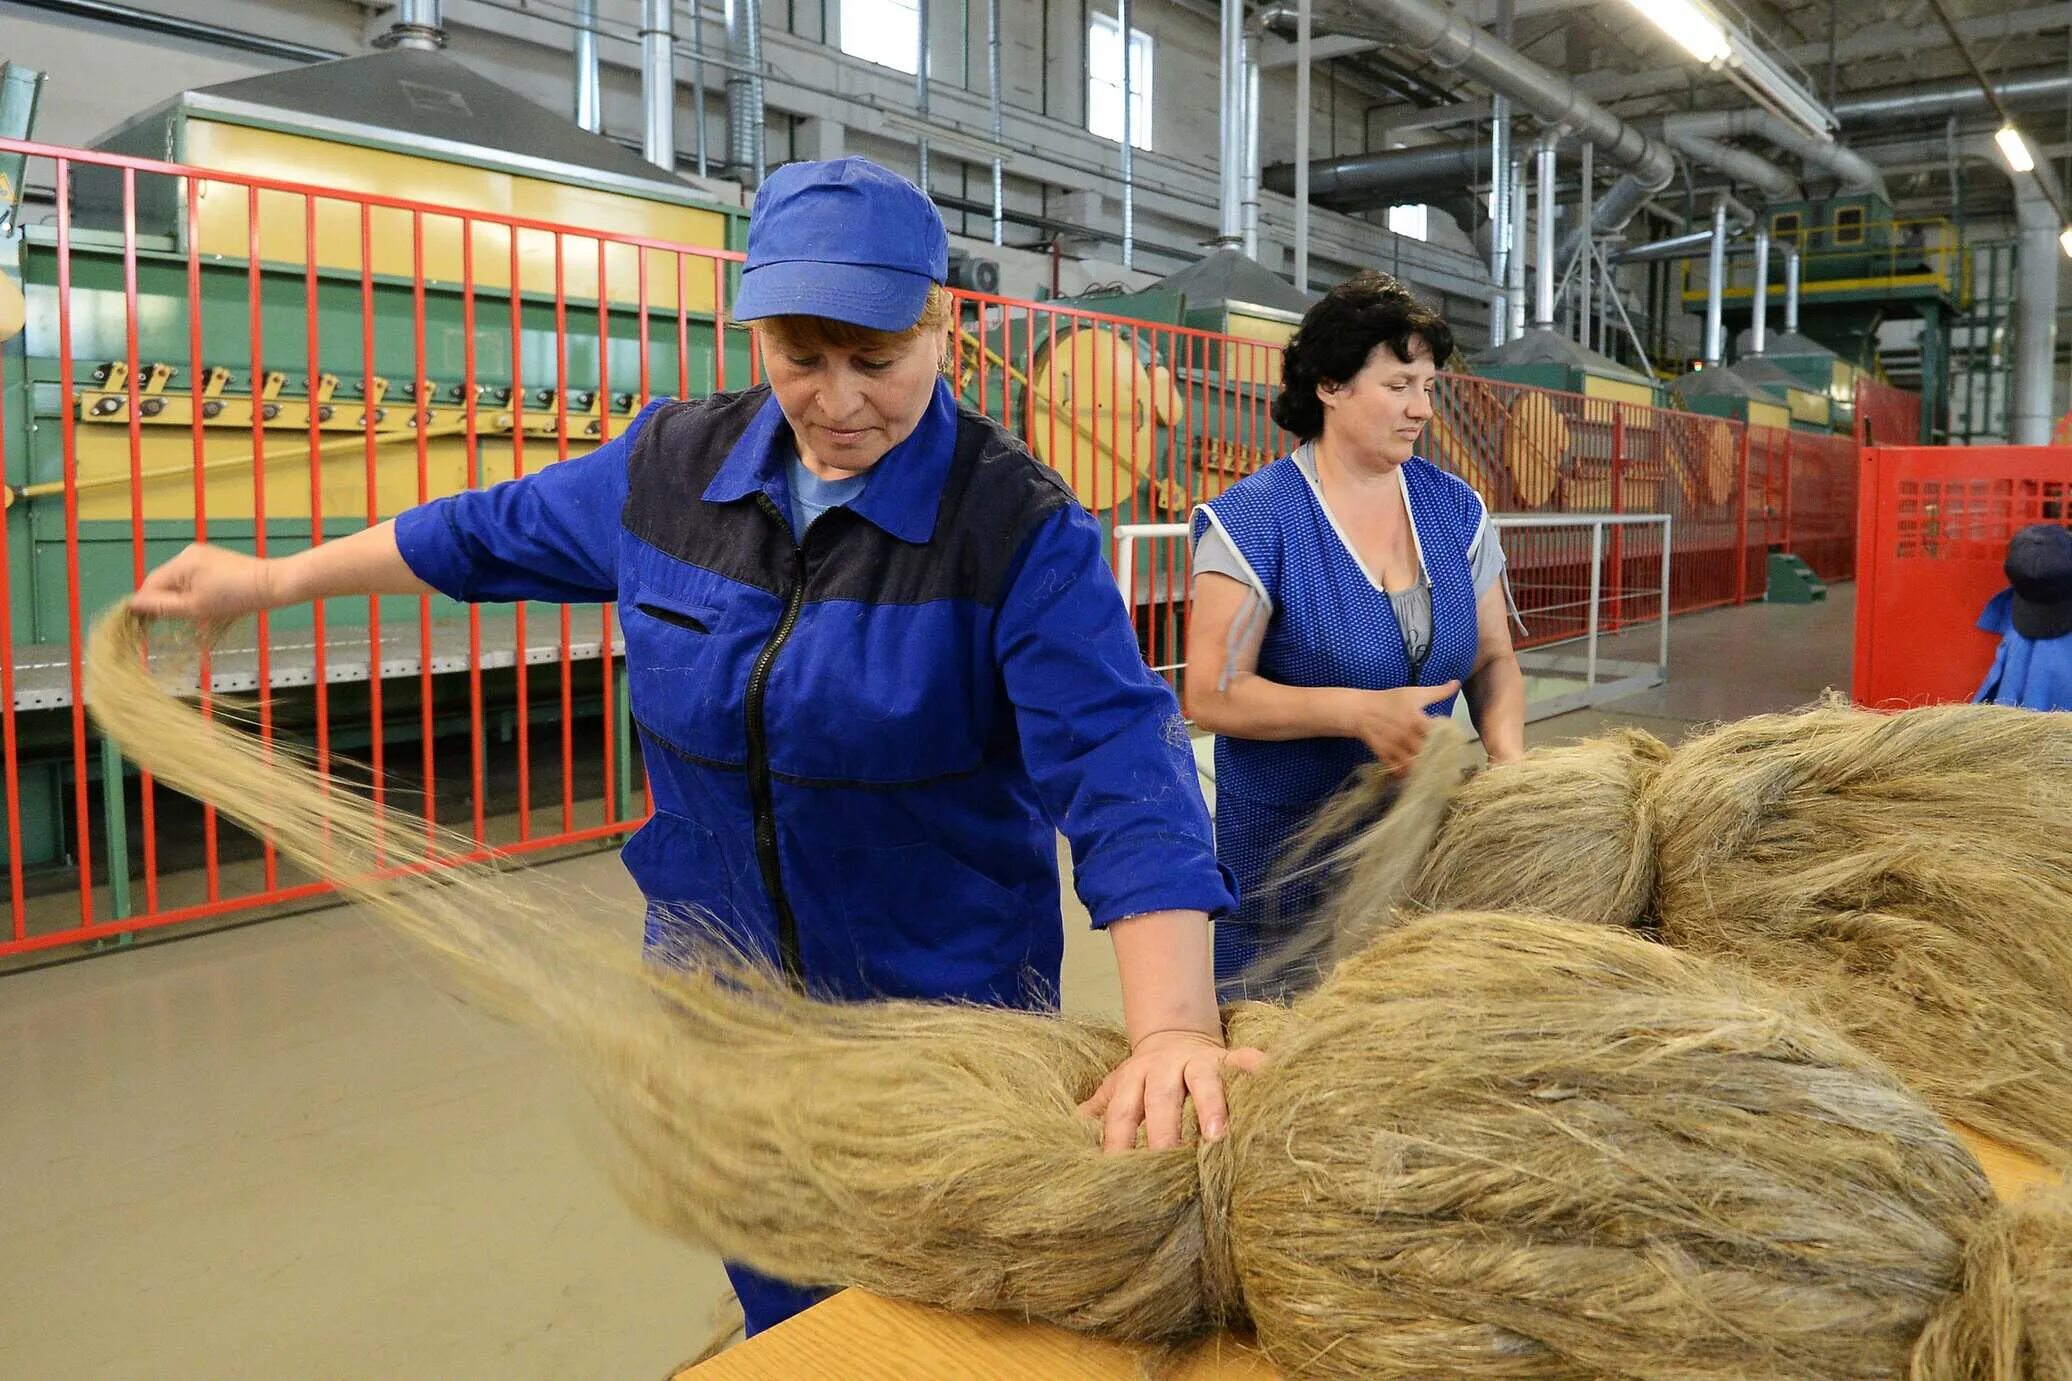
x=904, y=491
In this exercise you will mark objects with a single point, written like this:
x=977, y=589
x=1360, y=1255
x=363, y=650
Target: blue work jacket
x=861, y=739
x=2029, y=673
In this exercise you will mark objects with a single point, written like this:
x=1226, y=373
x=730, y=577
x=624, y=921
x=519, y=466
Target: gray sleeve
x=1215, y=554
x=1486, y=557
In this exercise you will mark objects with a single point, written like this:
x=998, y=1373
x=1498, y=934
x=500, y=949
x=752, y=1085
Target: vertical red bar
x=719, y=325
x=1615, y=603
x=641, y=251
x=568, y=743
x=137, y=557
x=368, y=422
x=683, y=325
x=1787, y=541
x=478, y=781
x=315, y=363
x=255, y=292
x=1741, y=522
x=196, y=388
x=520, y=643
x=421, y=387
x=607, y=672
x=69, y=405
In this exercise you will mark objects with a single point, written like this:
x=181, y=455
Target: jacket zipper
x=759, y=760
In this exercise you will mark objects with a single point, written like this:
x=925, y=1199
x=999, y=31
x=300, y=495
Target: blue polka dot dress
x=1330, y=625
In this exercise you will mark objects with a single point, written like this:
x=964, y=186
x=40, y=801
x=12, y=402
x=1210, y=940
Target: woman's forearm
x=365, y=563
x=1168, y=970
x=1496, y=702
x=1253, y=707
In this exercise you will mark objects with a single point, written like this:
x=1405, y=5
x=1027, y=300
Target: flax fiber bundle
x=1908, y=875
x=1488, y=1145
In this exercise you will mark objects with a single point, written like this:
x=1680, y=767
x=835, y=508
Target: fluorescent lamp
x=1692, y=27
x=2014, y=150
x=2065, y=242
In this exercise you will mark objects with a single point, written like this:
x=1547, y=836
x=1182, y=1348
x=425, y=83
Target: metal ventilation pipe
x=1544, y=272
x=1791, y=291
x=1759, y=305
x=1391, y=176
x=417, y=25
x=698, y=85
x=1613, y=211
x=1739, y=165
x=2036, y=310
x=658, y=84
x=1715, y=286
x=745, y=91
x=1500, y=213
x=589, y=108
x=1251, y=198
x=1856, y=172
x=1515, y=269
x=1230, y=133
x=993, y=109
x=1956, y=96
x=921, y=56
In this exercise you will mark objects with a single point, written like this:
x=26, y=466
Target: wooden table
x=863, y=1337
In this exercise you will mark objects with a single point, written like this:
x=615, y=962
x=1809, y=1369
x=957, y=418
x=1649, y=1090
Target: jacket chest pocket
x=688, y=654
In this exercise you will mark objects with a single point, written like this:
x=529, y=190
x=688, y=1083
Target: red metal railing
x=511, y=339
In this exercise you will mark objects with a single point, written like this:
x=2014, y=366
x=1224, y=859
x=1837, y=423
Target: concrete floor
x=285, y=1151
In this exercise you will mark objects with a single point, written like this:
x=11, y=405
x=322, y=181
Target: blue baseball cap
x=847, y=240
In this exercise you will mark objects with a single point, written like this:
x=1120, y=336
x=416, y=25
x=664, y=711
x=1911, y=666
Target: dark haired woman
x=1343, y=596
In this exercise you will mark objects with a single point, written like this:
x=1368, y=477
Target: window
x=1849, y=225
x=1104, y=81
x=887, y=32
x=1412, y=221
x=1784, y=226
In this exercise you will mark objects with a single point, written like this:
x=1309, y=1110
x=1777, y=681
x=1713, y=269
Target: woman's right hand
x=1393, y=723
x=205, y=583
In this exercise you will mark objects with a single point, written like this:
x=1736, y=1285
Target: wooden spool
x=1094, y=413
x=1462, y=437
x=1535, y=444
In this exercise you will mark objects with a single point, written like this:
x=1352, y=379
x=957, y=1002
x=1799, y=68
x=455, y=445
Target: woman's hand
x=1150, y=1087
x=205, y=583
x=1393, y=723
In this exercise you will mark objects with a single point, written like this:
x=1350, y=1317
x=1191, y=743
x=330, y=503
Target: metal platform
x=43, y=674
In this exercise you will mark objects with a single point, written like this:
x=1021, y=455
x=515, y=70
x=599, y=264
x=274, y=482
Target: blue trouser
x=766, y=1302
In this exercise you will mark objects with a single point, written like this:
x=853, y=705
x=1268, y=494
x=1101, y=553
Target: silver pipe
x=1613, y=211
x=1715, y=286
x=1129, y=163
x=1544, y=270
x=1791, y=291
x=2036, y=312
x=1738, y=164
x=1956, y=96
x=1251, y=206
x=1387, y=176
x=1302, y=75
x=1583, y=194
x=658, y=83
x=1516, y=268
x=1855, y=172
x=1759, y=305
x=698, y=85
x=745, y=91
x=921, y=55
x=417, y=25
x=589, y=109
x=1230, y=133
x=1454, y=40
x=993, y=104
x=1499, y=219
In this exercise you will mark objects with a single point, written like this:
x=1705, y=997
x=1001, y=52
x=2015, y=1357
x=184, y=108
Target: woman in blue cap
x=1344, y=596
x=876, y=657
x=2032, y=668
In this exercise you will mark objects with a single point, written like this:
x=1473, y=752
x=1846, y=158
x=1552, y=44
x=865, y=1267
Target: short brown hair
x=808, y=333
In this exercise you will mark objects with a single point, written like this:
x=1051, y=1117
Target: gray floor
x=285, y=1152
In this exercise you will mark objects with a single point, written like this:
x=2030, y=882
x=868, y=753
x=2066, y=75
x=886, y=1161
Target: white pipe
x=1251, y=207
x=658, y=84
x=1230, y=132
x=1519, y=236
x=1714, y=329
x=1500, y=213
x=993, y=103
x=418, y=25
x=589, y=109
x=698, y=88
x=1791, y=291
x=1543, y=283
x=921, y=55
x=1302, y=146
x=1759, y=321
x=1584, y=197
